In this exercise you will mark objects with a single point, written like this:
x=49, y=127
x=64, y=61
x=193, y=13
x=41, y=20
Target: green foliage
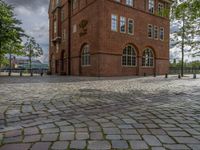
x=188, y=15
x=10, y=31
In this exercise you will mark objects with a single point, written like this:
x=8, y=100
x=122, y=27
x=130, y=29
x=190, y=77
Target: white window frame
x=129, y=3
x=146, y=59
x=151, y=6
x=131, y=56
x=122, y=23
x=162, y=30
x=149, y=30
x=114, y=22
x=156, y=32
x=85, y=56
x=161, y=9
x=133, y=26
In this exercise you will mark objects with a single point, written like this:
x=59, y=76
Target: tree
x=32, y=49
x=10, y=31
x=187, y=15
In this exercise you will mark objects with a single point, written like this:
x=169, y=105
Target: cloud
x=31, y=4
x=34, y=17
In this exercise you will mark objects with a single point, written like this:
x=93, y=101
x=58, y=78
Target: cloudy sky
x=34, y=16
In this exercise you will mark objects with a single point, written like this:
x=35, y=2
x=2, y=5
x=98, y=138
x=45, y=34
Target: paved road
x=99, y=113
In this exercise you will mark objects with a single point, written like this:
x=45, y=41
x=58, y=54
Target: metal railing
x=186, y=70
x=22, y=72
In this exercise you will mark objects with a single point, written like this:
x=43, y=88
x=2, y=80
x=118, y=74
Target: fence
x=24, y=71
x=186, y=70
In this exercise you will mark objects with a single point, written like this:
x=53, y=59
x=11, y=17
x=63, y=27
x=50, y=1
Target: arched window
x=129, y=56
x=85, y=56
x=148, y=58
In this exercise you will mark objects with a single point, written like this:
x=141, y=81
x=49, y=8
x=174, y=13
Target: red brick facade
x=88, y=22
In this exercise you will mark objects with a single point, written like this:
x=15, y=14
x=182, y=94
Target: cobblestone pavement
x=99, y=113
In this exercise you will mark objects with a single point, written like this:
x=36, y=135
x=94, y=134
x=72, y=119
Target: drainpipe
x=69, y=37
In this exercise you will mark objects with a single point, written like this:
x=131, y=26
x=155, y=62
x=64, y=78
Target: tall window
x=130, y=26
x=162, y=33
x=151, y=6
x=74, y=4
x=155, y=32
x=62, y=14
x=122, y=24
x=129, y=2
x=129, y=56
x=85, y=56
x=55, y=26
x=150, y=31
x=64, y=34
x=114, y=22
x=161, y=9
x=148, y=58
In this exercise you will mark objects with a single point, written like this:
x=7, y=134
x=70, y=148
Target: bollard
x=194, y=76
x=166, y=75
x=179, y=76
x=41, y=74
x=154, y=74
x=145, y=74
x=20, y=73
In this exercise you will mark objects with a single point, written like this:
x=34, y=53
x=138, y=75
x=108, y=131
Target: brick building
x=109, y=37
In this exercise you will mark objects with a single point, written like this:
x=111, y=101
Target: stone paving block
x=82, y=136
x=62, y=123
x=187, y=140
x=50, y=130
x=111, y=130
x=119, y=144
x=31, y=131
x=67, y=128
x=49, y=137
x=41, y=146
x=12, y=140
x=131, y=137
x=13, y=133
x=60, y=145
x=46, y=126
x=16, y=147
x=129, y=121
x=78, y=144
x=96, y=135
x=178, y=133
x=94, y=129
x=138, y=126
x=125, y=126
x=143, y=131
x=151, y=140
x=158, y=148
x=32, y=138
x=81, y=129
x=176, y=147
x=65, y=136
x=99, y=145
x=194, y=146
x=151, y=126
x=129, y=131
x=157, y=131
x=138, y=145
x=192, y=131
x=113, y=137
x=165, y=139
